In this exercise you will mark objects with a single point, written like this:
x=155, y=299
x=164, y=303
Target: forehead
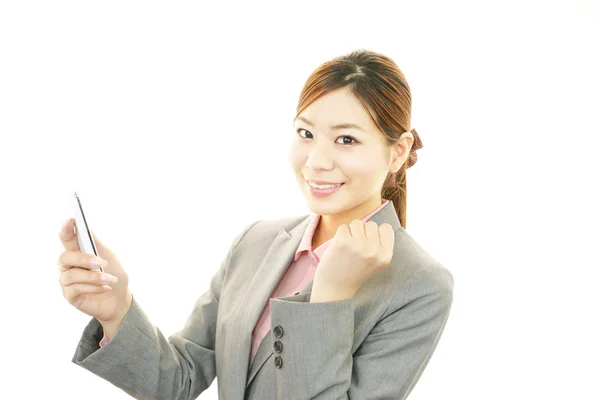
x=337, y=107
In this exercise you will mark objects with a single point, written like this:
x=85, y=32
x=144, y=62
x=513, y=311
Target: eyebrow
x=335, y=127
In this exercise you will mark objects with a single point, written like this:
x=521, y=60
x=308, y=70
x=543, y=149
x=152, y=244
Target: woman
x=339, y=304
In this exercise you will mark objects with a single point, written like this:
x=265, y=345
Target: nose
x=319, y=158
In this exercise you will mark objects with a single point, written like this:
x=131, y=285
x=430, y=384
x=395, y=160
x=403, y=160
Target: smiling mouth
x=325, y=186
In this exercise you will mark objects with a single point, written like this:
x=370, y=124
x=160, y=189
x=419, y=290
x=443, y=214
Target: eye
x=350, y=139
x=300, y=130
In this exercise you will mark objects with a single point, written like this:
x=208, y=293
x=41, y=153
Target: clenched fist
x=357, y=252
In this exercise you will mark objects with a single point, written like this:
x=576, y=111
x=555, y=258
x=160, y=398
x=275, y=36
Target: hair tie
x=417, y=144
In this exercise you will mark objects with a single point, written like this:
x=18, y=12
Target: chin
x=323, y=209
x=326, y=206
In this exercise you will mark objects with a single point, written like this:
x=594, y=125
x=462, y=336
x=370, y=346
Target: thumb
x=102, y=249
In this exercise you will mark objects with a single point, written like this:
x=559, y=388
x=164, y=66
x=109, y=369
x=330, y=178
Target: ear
x=400, y=151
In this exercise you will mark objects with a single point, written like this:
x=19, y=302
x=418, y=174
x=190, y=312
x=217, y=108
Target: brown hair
x=380, y=86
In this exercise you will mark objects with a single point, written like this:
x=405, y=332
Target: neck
x=329, y=224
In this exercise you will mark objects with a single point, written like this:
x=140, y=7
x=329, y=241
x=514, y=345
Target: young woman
x=338, y=304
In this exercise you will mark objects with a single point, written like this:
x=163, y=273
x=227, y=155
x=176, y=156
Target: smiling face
x=336, y=141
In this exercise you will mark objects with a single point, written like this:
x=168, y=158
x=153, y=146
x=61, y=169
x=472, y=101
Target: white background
x=172, y=121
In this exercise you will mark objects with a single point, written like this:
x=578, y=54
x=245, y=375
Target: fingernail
x=108, y=278
x=98, y=262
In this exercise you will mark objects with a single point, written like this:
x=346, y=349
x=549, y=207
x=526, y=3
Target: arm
x=317, y=360
x=141, y=361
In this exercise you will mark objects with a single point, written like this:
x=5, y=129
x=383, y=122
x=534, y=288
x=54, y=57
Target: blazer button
x=278, y=331
x=278, y=346
x=278, y=362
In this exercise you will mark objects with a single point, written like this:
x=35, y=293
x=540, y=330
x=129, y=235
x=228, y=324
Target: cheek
x=297, y=157
x=359, y=167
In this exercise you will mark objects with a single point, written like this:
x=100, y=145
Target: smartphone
x=82, y=229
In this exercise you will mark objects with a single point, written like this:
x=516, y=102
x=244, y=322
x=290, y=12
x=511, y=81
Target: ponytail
x=394, y=190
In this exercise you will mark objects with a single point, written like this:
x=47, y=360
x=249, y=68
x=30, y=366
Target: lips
x=323, y=190
x=323, y=182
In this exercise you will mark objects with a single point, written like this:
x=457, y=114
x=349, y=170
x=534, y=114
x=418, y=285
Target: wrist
x=111, y=327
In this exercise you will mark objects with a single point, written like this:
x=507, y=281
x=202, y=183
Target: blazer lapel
x=252, y=302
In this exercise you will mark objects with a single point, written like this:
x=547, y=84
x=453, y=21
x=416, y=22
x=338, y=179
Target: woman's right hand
x=106, y=300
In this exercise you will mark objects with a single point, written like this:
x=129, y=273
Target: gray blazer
x=372, y=346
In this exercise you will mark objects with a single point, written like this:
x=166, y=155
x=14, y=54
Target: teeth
x=323, y=186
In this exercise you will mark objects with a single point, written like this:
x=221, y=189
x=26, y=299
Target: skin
x=361, y=159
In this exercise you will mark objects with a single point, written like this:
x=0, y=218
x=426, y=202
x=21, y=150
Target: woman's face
x=336, y=141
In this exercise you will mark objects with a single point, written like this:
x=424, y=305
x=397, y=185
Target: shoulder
x=415, y=274
x=412, y=257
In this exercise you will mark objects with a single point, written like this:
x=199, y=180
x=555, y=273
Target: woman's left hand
x=357, y=252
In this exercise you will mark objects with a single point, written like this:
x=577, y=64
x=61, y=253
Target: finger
x=79, y=275
x=343, y=232
x=63, y=268
x=372, y=232
x=72, y=292
x=386, y=238
x=357, y=229
x=69, y=259
x=67, y=236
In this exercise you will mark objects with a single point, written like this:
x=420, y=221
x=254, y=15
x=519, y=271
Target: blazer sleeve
x=146, y=365
x=317, y=340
